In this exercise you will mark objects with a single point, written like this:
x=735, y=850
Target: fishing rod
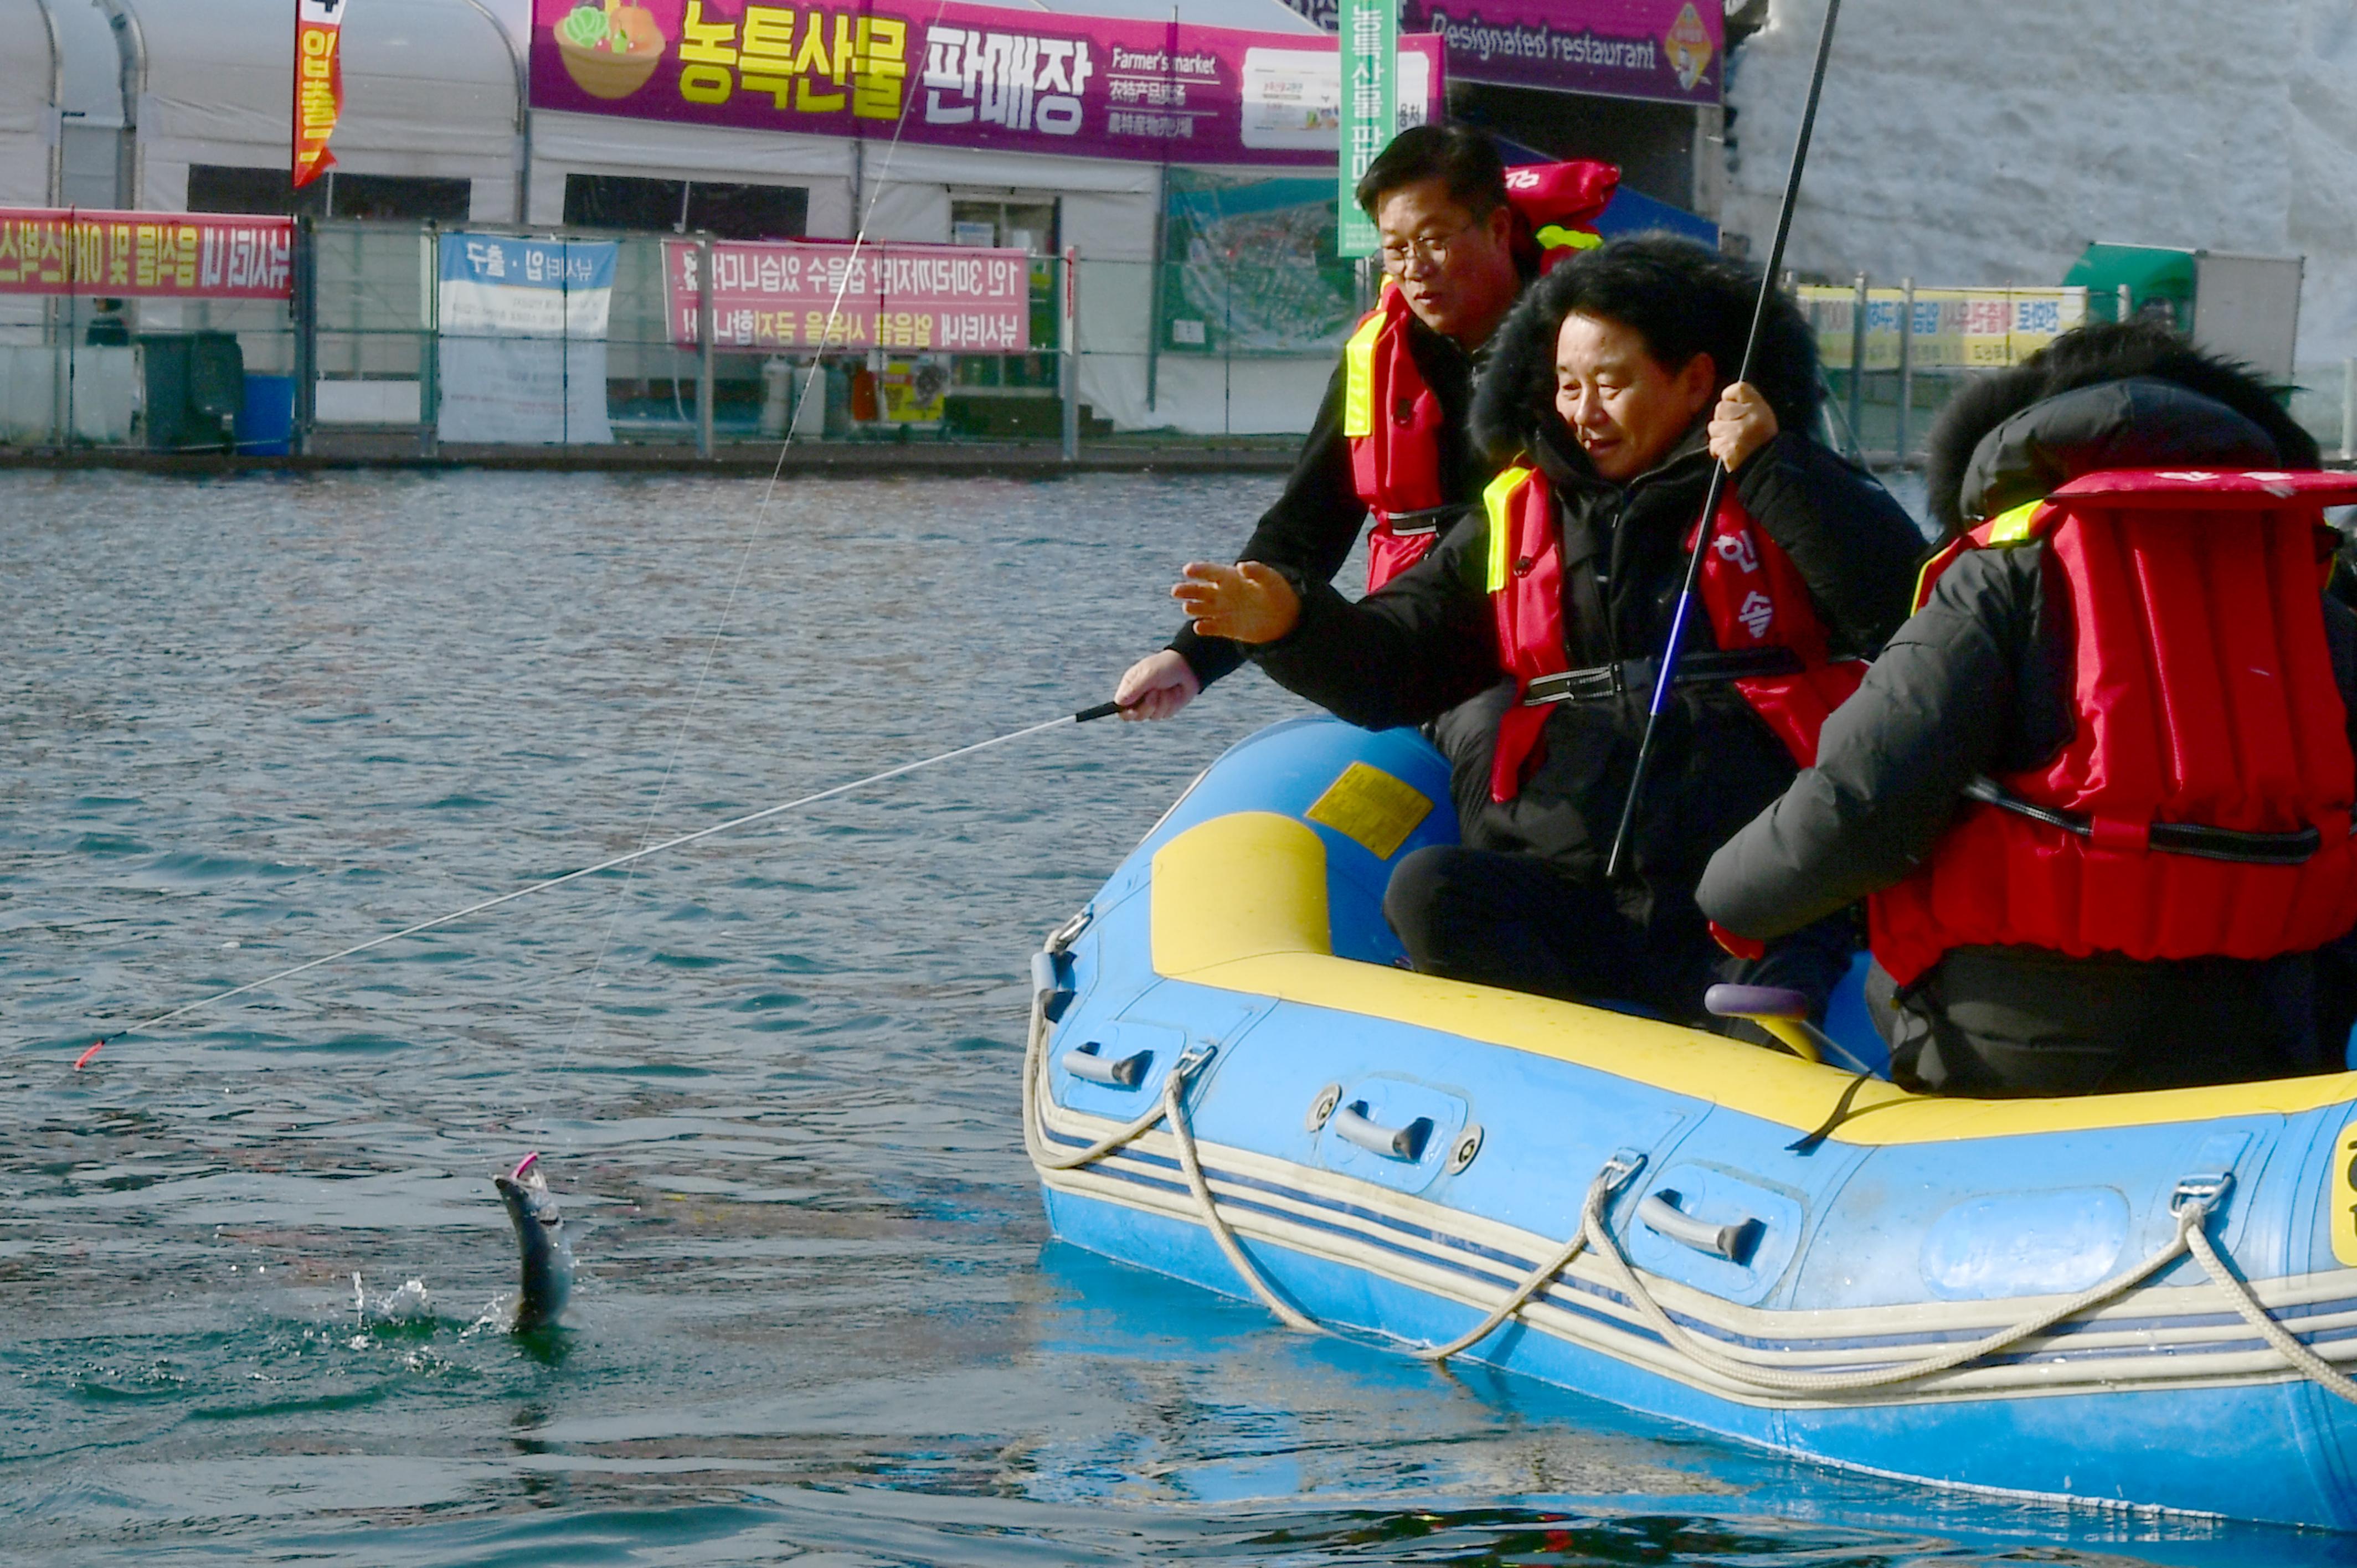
x=1664, y=682
x=1086, y=715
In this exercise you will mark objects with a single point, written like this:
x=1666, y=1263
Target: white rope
x=1596, y=1234
x=635, y=855
x=2326, y=1375
x=1593, y=1225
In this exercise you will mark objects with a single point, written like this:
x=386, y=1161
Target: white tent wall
x=430, y=89
x=30, y=91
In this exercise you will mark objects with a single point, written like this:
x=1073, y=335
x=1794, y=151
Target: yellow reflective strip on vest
x=1498, y=498
x=1554, y=236
x=1358, y=377
x=2013, y=527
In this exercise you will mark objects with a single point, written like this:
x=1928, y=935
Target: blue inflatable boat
x=2140, y=1299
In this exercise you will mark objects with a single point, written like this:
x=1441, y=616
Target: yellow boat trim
x=1239, y=904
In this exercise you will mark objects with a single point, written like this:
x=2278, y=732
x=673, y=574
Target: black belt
x=1425, y=520
x=2174, y=838
x=1635, y=677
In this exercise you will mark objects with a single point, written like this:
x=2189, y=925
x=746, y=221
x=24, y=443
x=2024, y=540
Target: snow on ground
x=1987, y=140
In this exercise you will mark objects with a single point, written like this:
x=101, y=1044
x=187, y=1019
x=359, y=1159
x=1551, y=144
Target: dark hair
x=1683, y=299
x=2088, y=356
x=1459, y=154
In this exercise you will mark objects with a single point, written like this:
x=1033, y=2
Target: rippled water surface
x=819, y=1319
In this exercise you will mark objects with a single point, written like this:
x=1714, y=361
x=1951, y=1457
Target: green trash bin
x=195, y=390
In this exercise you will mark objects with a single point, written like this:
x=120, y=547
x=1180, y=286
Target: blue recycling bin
x=265, y=424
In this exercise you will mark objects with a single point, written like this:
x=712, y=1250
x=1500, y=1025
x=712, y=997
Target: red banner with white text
x=892, y=295
x=146, y=255
x=319, y=84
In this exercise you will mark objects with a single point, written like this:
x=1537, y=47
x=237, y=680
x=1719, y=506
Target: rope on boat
x=2195, y=1201
x=2324, y=1373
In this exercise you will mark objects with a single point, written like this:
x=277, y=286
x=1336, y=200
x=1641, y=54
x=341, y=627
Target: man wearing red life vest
x=1460, y=234
x=1599, y=405
x=2098, y=789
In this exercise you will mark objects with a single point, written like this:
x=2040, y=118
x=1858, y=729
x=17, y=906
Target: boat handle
x=1089, y=1061
x=1351, y=1124
x=1660, y=1213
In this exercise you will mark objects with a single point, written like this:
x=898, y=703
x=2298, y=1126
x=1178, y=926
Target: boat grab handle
x=1660, y=1213
x=1089, y=1062
x=1351, y=1124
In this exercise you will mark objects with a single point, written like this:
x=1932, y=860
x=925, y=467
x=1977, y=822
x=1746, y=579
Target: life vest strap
x=1424, y=520
x=2196, y=839
x=1635, y=677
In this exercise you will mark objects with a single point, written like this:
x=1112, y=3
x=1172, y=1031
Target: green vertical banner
x=1370, y=61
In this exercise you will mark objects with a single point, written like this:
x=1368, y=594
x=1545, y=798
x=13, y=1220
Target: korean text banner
x=1982, y=328
x=961, y=75
x=319, y=84
x=147, y=255
x=946, y=299
x=522, y=339
x=1670, y=51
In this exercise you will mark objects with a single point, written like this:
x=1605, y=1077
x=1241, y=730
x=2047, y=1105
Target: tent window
x=679, y=206
x=223, y=188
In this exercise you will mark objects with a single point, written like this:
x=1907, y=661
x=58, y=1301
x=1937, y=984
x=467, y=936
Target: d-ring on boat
x=2142, y=1299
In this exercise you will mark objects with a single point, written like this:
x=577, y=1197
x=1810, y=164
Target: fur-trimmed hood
x=2104, y=396
x=1513, y=406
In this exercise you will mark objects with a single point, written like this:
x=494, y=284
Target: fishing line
x=759, y=529
x=1086, y=715
x=1665, y=679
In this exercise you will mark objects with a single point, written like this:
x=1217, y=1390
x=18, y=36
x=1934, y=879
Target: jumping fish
x=540, y=1236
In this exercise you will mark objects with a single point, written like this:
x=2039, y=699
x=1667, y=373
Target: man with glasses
x=1460, y=237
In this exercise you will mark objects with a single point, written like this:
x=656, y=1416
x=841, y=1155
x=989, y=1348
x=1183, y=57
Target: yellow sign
x=1371, y=805
x=1950, y=328
x=2344, y=1197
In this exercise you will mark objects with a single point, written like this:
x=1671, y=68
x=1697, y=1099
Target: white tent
x=431, y=88
x=29, y=92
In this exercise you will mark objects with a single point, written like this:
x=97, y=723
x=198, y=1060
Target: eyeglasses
x=1431, y=249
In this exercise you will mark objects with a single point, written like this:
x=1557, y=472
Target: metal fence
x=1230, y=335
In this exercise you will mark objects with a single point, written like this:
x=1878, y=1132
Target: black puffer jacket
x=1316, y=522
x=1426, y=641
x=1979, y=682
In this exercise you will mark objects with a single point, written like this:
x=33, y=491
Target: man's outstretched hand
x=1157, y=686
x=1245, y=603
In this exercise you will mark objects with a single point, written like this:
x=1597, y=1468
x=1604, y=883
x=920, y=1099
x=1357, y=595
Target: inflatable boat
x=2143, y=1300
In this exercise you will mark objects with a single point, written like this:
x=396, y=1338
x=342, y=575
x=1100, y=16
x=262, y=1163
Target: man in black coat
x=1980, y=683
x=1439, y=196
x=1605, y=378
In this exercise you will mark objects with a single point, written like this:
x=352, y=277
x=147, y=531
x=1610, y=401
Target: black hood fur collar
x=2086, y=358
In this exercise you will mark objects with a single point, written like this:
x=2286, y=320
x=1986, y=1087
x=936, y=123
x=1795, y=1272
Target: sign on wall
x=784, y=295
x=1671, y=50
x=145, y=256
x=1369, y=43
x=1953, y=328
x=960, y=75
x=523, y=339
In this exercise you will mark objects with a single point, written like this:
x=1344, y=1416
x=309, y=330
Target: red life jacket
x=1392, y=420
x=1756, y=598
x=2205, y=701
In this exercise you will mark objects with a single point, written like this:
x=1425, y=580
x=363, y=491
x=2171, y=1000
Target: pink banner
x=961, y=75
x=1665, y=49
x=943, y=299
x=146, y=255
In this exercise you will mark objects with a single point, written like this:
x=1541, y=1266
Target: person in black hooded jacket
x=1980, y=683
x=1615, y=379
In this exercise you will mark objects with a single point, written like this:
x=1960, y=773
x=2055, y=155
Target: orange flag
x=319, y=84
